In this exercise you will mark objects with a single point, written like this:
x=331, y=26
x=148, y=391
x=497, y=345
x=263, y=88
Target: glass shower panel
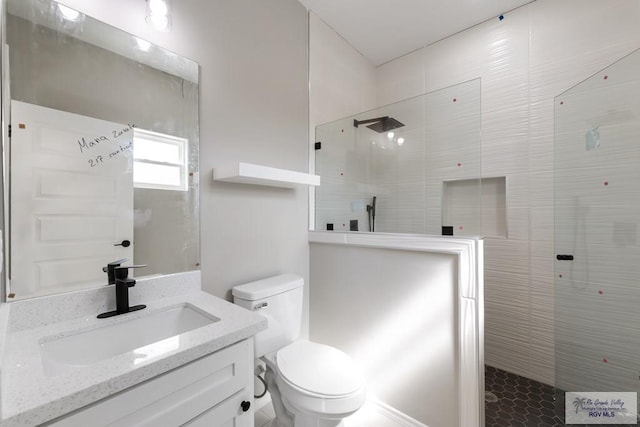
x=597, y=211
x=453, y=161
x=405, y=155
x=397, y=166
x=344, y=166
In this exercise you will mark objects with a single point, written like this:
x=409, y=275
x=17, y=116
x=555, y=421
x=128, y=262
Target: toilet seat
x=318, y=370
x=310, y=378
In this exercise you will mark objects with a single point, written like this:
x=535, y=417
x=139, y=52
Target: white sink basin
x=149, y=336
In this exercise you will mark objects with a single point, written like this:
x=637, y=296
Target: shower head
x=380, y=124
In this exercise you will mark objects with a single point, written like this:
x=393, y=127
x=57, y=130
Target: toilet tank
x=279, y=299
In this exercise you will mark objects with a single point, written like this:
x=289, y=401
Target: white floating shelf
x=248, y=173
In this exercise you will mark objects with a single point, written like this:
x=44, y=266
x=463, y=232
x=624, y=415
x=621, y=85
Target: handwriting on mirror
x=99, y=159
x=88, y=144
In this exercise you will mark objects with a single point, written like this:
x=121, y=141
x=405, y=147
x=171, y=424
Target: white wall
x=534, y=54
x=342, y=82
x=253, y=108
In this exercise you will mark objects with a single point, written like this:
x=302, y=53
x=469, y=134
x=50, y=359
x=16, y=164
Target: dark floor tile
x=523, y=402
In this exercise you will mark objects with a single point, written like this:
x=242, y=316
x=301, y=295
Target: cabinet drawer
x=176, y=397
x=226, y=414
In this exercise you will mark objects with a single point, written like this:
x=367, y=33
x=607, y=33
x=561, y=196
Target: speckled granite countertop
x=31, y=396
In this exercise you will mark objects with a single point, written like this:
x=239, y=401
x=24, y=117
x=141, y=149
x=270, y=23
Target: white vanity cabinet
x=213, y=391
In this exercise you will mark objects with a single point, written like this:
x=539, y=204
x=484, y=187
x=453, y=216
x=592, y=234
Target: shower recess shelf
x=249, y=173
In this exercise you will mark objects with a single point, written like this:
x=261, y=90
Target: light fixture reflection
x=68, y=13
x=158, y=14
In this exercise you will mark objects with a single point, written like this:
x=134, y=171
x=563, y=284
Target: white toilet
x=311, y=384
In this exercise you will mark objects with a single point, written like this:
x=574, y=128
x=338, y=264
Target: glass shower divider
x=597, y=266
x=408, y=167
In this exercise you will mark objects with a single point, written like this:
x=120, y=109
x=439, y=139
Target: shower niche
x=409, y=167
x=475, y=207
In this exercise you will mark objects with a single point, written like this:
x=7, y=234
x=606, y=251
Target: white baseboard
x=380, y=409
x=392, y=414
x=397, y=416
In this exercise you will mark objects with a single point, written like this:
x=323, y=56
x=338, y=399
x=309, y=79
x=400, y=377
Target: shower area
x=597, y=211
x=409, y=167
x=414, y=167
x=383, y=289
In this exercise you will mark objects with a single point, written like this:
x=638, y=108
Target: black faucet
x=371, y=211
x=110, y=269
x=119, y=276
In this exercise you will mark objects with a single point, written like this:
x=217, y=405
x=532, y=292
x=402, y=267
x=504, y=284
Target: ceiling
x=383, y=30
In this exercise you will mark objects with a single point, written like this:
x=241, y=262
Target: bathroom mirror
x=101, y=162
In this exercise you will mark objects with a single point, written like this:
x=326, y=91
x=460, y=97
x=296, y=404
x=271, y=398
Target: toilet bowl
x=317, y=381
x=311, y=384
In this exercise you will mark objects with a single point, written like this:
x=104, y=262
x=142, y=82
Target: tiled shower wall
x=524, y=61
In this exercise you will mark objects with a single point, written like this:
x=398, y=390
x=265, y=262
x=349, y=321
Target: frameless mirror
x=101, y=160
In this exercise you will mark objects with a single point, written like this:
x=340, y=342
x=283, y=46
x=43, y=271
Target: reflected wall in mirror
x=103, y=152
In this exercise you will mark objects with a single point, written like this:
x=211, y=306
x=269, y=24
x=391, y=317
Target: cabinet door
x=226, y=414
x=179, y=396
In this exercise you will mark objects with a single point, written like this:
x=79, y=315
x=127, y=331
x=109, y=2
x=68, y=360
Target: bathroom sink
x=148, y=336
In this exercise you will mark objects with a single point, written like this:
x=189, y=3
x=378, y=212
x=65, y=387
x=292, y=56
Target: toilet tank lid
x=267, y=287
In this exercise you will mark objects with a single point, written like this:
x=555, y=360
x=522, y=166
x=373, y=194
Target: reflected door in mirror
x=71, y=198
